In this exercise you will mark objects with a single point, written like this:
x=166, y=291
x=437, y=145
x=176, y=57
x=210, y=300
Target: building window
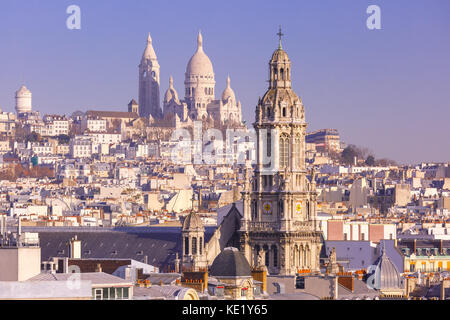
x=275, y=256
x=297, y=151
x=269, y=144
x=284, y=151
x=105, y=294
x=300, y=282
x=186, y=245
x=200, y=245
x=97, y=294
x=244, y=292
x=194, y=245
x=219, y=291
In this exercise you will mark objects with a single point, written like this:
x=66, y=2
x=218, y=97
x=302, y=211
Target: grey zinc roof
x=355, y=255
x=165, y=278
x=157, y=292
x=159, y=244
x=230, y=263
x=96, y=278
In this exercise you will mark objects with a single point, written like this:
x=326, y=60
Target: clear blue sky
x=388, y=90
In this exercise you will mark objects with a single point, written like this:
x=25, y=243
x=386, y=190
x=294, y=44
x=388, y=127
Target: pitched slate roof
x=159, y=244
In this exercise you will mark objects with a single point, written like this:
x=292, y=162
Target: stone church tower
x=278, y=227
x=193, y=246
x=149, y=102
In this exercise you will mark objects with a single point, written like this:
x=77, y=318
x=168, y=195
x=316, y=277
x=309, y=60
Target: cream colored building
x=19, y=263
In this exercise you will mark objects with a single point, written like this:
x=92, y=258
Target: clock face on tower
x=299, y=207
x=267, y=207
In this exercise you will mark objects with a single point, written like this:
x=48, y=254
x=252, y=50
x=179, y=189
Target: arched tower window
x=284, y=111
x=297, y=151
x=269, y=144
x=282, y=74
x=194, y=245
x=275, y=256
x=200, y=245
x=284, y=151
x=186, y=245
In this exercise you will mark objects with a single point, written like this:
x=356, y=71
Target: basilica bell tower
x=278, y=227
x=149, y=83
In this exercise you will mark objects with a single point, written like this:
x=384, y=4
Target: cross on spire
x=280, y=34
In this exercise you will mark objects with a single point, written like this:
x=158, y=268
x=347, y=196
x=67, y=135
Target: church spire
x=199, y=41
x=149, y=52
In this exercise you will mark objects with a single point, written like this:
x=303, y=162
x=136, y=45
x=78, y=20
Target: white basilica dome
x=228, y=92
x=199, y=64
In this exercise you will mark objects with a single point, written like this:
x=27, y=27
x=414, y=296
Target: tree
x=385, y=162
x=370, y=161
x=348, y=155
x=63, y=139
x=33, y=137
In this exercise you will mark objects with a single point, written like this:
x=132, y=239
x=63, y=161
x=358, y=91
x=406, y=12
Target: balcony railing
x=263, y=226
x=303, y=225
x=272, y=226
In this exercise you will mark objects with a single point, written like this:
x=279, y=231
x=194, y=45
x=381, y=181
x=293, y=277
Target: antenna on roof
x=2, y=231
x=19, y=231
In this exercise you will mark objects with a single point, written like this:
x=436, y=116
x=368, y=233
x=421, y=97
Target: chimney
x=260, y=274
x=2, y=229
x=443, y=289
x=336, y=288
x=442, y=246
x=146, y=259
x=19, y=233
x=408, y=280
x=98, y=268
x=75, y=248
x=414, y=249
x=19, y=227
